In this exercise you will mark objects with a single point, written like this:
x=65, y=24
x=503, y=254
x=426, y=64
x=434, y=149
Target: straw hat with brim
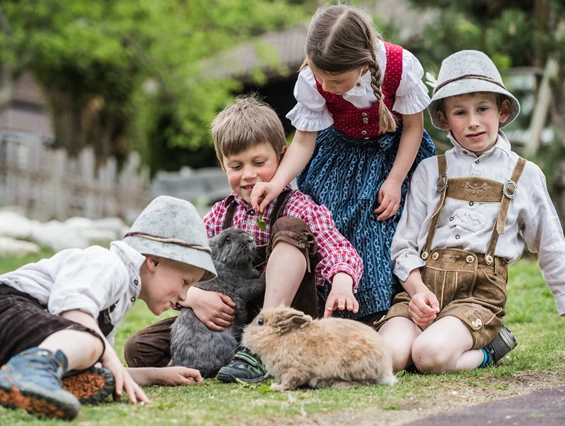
x=172, y=228
x=465, y=72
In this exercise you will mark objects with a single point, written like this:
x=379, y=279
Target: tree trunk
x=81, y=121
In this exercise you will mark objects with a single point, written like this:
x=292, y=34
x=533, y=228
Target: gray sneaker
x=503, y=343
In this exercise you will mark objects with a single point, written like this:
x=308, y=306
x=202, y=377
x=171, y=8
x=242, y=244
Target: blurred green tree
x=124, y=74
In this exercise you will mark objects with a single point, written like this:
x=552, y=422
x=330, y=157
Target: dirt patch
x=447, y=396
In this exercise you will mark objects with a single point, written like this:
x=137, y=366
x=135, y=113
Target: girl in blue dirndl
x=360, y=136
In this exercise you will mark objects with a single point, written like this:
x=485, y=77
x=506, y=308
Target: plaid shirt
x=335, y=252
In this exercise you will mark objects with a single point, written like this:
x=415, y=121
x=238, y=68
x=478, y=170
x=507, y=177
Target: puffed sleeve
x=310, y=113
x=89, y=281
x=412, y=94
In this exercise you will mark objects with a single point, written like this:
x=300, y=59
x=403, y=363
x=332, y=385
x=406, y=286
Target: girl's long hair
x=342, y=38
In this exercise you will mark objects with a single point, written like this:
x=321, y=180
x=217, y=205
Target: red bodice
x=364, y=123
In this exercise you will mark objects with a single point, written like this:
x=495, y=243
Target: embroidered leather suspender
x=475, y=189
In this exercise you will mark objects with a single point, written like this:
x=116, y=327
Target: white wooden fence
x=47, y=184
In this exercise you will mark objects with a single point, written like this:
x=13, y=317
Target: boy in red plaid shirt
x=303, y=247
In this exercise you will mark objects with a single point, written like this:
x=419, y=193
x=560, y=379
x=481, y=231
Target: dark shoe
x=503, y=343
x=90, y=386
x=31, y=381
x=244, y=366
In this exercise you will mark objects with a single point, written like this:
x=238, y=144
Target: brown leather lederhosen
x=469, y=286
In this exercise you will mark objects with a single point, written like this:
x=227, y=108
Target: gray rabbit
x=192, y=343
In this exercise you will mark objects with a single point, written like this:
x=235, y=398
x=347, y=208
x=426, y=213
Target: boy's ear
x=281, y=155
x=504, y=110
x=443, y=121
x=153, y=262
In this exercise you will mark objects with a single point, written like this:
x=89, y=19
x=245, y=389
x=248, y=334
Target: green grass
x=531, y=314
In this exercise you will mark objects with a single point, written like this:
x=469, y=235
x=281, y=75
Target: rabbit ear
x=291, y=320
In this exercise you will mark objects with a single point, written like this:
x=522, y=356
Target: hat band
x=168, y=240
x=468, y=76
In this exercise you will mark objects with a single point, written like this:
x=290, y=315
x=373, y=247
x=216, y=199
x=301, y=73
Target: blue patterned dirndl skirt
x=345, y=175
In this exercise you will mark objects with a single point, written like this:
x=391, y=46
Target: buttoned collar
x=502, y=144
x=133, y=260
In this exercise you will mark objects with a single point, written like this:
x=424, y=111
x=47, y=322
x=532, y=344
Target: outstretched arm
x=293, y=162
x=410, y=140
x=172, y=376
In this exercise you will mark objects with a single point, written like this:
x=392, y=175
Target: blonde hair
x=247, y=123
x=342, y=38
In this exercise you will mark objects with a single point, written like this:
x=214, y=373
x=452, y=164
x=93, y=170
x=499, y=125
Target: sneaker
x=503, y=343
x=90, y=386
x=244, y=366
x=31, y=381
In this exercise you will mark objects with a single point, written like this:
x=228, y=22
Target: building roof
x=275, y=53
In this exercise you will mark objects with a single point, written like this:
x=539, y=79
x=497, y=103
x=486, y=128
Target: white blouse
x=311, y=113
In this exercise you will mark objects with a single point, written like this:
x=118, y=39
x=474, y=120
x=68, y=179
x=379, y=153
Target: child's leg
x=285, y=270
x=82, y=349
x=399, y=334
x=290, y=267
x=445, y=346
x=31, y=377
x=289, y=281
x=150, y=347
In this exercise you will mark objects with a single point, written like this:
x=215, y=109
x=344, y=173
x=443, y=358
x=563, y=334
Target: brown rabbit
x=300, y=351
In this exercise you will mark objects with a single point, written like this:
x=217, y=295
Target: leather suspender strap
x=441, y=187
x=229, y=215
x=275, y=214
x=279, y=206
x=508, y=192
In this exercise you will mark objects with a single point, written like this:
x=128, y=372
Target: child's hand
x=388, y=198
x=178, y=376
x=214, y=309
x=341, y=296
x=122, y=378
x=423, y=308
x=263, y=193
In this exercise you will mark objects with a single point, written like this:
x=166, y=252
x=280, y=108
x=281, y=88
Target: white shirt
x=531, y=219
x=311, y=113
x=89, y=280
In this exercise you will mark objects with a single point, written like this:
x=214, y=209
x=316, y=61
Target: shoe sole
x=35, y=402
x=508, y=338
x=228, y=378
x=91, y=386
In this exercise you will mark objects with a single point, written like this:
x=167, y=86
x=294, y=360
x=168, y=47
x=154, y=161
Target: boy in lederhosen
x=469, y=214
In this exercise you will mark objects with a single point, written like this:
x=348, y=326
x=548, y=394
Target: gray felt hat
x=172, y=228
x=465, y=72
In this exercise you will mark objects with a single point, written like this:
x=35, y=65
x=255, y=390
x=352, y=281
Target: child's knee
x=429, y=357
